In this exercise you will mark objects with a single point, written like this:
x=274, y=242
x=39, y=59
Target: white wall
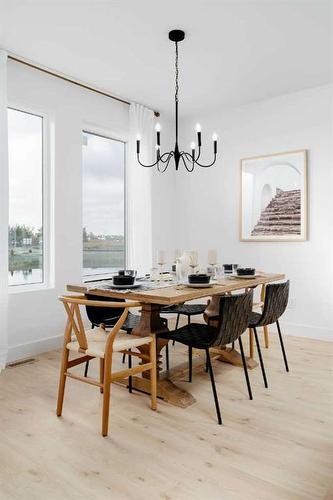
x=208, y=200
x=37, y=315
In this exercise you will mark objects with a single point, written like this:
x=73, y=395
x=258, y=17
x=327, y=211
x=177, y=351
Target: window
x=103, y=204
x=25, y=232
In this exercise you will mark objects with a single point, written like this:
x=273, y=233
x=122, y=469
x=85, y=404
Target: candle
x=198, y=129
x=194, y=258
x=193, y=149
x=215, y=143
x=161, y=257
x=177, y=254
x=158, y=134
x=212, y=257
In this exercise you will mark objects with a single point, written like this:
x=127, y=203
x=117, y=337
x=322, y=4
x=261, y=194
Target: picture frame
x=273, y=197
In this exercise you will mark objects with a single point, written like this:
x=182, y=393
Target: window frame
x=46, y=202
x=106, y=134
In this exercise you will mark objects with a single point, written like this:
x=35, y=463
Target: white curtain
x=3, y=211
x=138, y=179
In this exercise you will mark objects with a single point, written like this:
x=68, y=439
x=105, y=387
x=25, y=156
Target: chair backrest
x=276, y=301
x=235, y=312
x=75, y=324
x=98, y=315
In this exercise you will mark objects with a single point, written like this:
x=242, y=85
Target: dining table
x=153, y=297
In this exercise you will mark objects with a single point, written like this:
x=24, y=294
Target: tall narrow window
x=103, y=204
x=25, y=232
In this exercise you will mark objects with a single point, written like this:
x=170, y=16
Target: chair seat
x=96, y=339
x=254, y=319
x=187, y=309
x=197, y=335
x=131, y=322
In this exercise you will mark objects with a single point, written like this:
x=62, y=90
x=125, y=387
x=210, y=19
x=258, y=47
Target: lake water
x=94, y=262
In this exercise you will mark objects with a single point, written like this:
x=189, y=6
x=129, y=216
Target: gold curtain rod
x=70, y=80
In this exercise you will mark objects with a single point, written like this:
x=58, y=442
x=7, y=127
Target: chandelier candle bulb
x=193, y=150
x=198, y=129
x=158, y=134
x=215, y=143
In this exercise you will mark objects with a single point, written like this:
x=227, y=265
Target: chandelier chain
x=177, y=73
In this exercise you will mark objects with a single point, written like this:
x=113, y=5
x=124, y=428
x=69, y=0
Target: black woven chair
x=276, y=301
x=98, y=315
x=233, y=319
x=188, y=310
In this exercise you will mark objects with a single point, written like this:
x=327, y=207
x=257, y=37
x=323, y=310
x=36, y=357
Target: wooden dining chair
x=102, y=344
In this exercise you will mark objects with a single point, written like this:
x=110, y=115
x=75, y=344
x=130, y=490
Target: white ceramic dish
x=124, y=287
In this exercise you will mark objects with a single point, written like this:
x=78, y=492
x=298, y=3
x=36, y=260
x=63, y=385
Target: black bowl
x=123, y=280
x=246, y=271
x=198, y=278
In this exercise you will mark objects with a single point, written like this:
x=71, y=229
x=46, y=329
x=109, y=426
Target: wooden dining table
x=153, y=300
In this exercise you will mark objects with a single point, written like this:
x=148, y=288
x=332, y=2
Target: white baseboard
x=33, y=348
x=310, y=332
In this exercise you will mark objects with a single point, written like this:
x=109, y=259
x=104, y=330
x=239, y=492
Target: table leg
x=227, y=354
x=151, y=322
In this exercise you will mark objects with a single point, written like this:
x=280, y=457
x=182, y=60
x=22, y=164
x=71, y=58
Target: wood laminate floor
x=278, y=446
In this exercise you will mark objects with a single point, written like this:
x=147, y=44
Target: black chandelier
x=189, y=159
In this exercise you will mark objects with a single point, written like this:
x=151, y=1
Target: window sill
x=33, y=287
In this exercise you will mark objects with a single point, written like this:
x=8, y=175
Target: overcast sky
x=103, y=185
x=102, y=177
x=25, y=168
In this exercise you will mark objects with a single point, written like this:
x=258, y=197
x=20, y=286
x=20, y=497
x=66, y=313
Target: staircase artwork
x=282, y=215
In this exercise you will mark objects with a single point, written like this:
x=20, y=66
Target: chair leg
x=62, y=381
x=282, y=346
x=177, y=323
x=206, y=367
x=106, y=397
x=260, y=358
x=266, y=336
x=245, y=368
x=167, y=356
x=189, y=363
x=153, y=373
x=130, y=380
x=188, y=319
x=251, y=342
x=86, y=369
x=124, y=358
x=101, y=373
x=211, y=374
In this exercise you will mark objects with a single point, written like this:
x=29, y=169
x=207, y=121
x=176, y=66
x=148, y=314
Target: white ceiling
x=235, y=52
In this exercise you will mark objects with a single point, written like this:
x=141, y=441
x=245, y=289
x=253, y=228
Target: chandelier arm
x=168, y=154
x=146, y=166
x=206, y=166
x=199, y=153
x=166, y=163
x=185, y=163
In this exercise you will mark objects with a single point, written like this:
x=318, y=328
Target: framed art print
x=274, y=197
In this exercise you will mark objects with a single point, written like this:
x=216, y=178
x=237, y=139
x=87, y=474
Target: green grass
x=20, y=259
